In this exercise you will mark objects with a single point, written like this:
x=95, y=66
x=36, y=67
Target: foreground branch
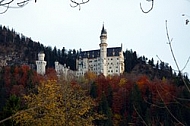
x=139, y=115
x=168, y=108
x=18, y=113
x=8, y=5
x=170, y=45
x=152, y=5
x=78, y=4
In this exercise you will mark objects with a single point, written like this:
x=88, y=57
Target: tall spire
x=103, y=30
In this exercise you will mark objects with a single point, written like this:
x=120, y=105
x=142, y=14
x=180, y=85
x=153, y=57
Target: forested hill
x=17, y=49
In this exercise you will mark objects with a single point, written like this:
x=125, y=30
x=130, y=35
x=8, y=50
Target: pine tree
x=93, y=90
x=105, y=110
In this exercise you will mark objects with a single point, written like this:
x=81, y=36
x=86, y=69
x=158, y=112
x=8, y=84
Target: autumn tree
x=57, y=104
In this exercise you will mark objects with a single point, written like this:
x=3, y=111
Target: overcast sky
x=55, y=23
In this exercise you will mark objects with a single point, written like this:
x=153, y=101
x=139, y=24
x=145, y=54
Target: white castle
x=106, y=61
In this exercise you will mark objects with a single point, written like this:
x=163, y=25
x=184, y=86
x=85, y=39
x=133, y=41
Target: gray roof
x=114, y=51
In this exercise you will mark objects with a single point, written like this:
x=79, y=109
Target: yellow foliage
x=57, y=104
x=90, y=76
x=122, y=82
x=117, y=119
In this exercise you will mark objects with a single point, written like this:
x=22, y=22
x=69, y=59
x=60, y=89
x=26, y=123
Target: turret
x=103, y=51
x=41, y=64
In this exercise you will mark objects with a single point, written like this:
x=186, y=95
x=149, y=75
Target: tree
x=57, y=104
x=104, y=108
x=93, y=90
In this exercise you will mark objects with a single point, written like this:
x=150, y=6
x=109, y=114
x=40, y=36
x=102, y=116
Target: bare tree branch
x=8, y=4
x=168, y=109
x=170, y=45
x=23, y=3
x=140, y=116
x=78, y=4
x=152, y=5
x=6, y=9
x=186, y=64
x=18, y=113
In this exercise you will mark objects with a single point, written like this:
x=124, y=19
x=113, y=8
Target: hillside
x=17, y=49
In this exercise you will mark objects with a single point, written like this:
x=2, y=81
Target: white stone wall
x=113, y=65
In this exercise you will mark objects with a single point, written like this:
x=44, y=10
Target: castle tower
x=103, y=51
x=41, y=64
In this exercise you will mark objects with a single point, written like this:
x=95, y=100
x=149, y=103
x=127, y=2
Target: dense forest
x=148, y=93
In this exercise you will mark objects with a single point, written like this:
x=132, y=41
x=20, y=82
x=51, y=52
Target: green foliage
x=12, y=106
x=104, y=109
x=93, y=90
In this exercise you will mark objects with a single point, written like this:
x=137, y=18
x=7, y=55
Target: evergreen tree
x=139, y=106
x=93, y=90
x=105, y=110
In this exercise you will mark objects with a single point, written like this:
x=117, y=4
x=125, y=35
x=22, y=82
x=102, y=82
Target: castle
x=108, y=61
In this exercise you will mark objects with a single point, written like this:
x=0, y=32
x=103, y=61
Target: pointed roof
x=104, y=31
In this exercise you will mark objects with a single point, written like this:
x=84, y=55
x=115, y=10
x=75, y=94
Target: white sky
x=55, y=23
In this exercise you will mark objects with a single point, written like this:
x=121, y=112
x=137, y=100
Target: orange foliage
x=24, y=77
x=51, y=74
x=114, y=82
x=102, y=85
x=17, y=90
x=165, y=92
x=18, y=78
